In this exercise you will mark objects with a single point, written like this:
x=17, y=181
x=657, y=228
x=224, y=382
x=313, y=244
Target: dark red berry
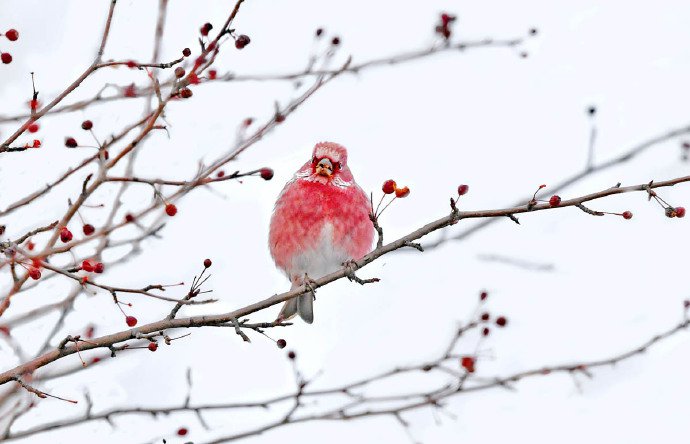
x=291, y=355
x=242, y=41
x=486, y=331
x=99, y=267
x=131, y=64
x=281, y=343
x=88, y=229
x=389, y=186
x=207, y=263
x=463, y=189
x=467, y=363
x=12, y=35
x=185, y=93
x=220, y=174
x=501, y=321
x=35, y=273
x=680, y=211
x=485, y=316
x=182, y=431
x=170, y=209
x=6, y=57
x=206, y=29
x=71, y=142
x=319, y=31
x=87, y=265
x=483, y=295
x=555, y=201
x=179, y=72
x=280, y=118
x=186, y=52
x=131, y=321
x=129, y=217
x=266, y=173
x=33, y=127
x=335, y=41
x=153, y=346
x=627, y=215
x=65, y=235
x=86, y=125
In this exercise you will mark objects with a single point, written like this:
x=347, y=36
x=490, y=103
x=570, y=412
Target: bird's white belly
x=321, y=259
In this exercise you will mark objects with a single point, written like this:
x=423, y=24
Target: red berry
x=130, y=90
x=212, y=74
x=182, y=431
x=467, y=363
x=185, y=93
x=207, y=263
x=555, y=201
x=242, y=41
x=30, y=246
x=486, y=331
x=35, y=273
x=129, y=217
x=33, y=104
x=186, y=52
x=485, y=316
x=86, y=125
x=280, y=118
x=402, y=192
x=87, y=266
x=88, y=229
x=335, y=41
x=291, y=355
x=153, y=346
x=206, y=29
x=36, y=143
x=12, y=35
x=266, y=173
x=220, y=174
x=131, y=64
x=248, y=121
x=6, y=57
x=463, y=189
x=170, y=209
x=131, y=321
x=281, y=343
x=483, y=295
x=99, y=267
x=501, y=321
x=33, y=127
x=627, y=215
x=65, y=235
x=680, y=211
x=179, y=72
x=389, y=186
x=71, y=142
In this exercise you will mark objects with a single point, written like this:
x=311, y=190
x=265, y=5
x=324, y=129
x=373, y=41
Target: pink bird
x=320, y=221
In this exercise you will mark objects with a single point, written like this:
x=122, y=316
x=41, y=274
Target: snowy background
x=487, y=117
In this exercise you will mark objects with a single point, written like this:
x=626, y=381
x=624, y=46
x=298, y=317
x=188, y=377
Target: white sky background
x=487, y=117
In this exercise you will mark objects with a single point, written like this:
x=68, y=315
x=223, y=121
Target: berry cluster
x=389, y=187
x=12, y=35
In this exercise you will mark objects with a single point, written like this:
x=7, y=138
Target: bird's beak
x=324, y=168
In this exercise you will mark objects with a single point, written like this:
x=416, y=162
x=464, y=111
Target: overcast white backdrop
x=487, y=117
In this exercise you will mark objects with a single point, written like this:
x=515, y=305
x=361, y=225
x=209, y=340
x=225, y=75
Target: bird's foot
x=310, y=284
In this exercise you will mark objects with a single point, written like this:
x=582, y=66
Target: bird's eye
x=337, y=165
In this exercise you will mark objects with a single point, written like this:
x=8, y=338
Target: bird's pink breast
x=308, y=211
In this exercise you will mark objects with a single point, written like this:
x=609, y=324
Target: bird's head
x=328, y=164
